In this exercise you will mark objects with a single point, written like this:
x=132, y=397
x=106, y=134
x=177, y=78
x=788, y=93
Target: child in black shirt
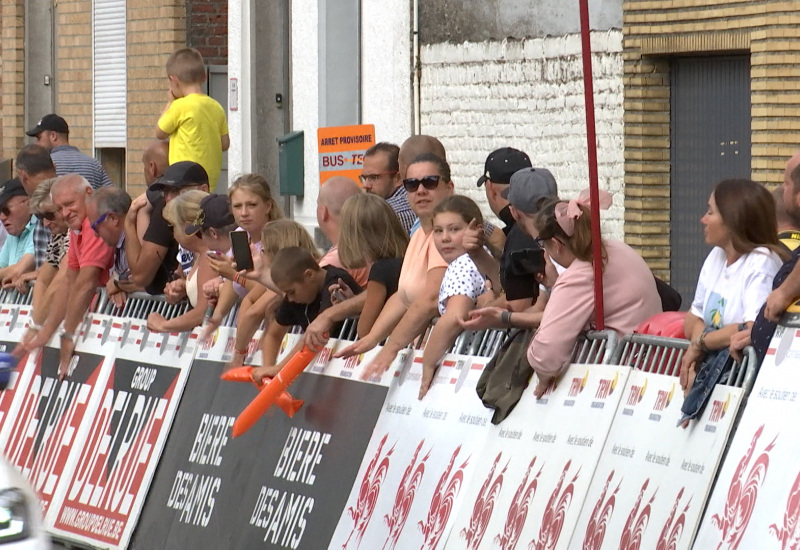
x=306, y=289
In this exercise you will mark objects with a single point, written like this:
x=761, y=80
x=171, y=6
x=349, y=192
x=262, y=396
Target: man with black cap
x=500, y=165
x=52, y=133
x=154, y=261
x=16, y=256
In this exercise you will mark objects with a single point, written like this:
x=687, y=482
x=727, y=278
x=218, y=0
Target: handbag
x=506, y=376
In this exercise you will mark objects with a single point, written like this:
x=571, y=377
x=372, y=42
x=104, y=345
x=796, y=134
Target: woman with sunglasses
x=409, y=311
x=629, y=289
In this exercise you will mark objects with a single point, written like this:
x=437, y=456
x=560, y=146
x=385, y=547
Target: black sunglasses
x=49, y=216
x=428, y=182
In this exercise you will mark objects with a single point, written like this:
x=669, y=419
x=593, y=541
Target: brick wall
x=655, y=31
x=74, y=70
x=13, y=77
x=207, y=29
x=155, y=29
x=528, y=94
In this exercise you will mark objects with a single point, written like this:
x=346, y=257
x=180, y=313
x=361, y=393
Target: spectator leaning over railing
x=154, y=260
x=371, y=234
x=16, y=256
x=47, y=215
x=253, y=207
x=155, y=161
x=462, y=285
x=410, y=310
x=180, y=212
x=86, y=266
x=106, y=210
x=629, y=289
x=785, y=285
x=734, y=283
x=34, y=166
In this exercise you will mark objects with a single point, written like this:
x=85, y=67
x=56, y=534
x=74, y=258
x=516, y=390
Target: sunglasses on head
x=49, y=216
x=428, y=182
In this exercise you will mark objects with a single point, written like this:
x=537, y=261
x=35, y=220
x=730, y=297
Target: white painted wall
x=239, y=122
x=477, y=97
x=386, y=69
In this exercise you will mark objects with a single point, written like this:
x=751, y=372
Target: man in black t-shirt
x=306, y=291
x=153, y=261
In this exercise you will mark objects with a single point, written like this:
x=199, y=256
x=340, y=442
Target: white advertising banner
x=756, y=500
x=419, y=460
x=535, y=467
x=653, y=477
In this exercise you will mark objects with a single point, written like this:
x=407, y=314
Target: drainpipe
x=417, y=69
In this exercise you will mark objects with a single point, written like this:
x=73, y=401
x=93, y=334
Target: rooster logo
x=518, y=511
x=598, y=522
x=635, y=526
x=368, y=493
x=555, y=512
x=742, y=494
x=671, y=532
x=442, y=503
x=789, y=533
x=412, y=476
x=484, y=506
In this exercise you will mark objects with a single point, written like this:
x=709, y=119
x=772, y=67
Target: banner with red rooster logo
x=652, y=478
x=422, y=455
x=536, y=465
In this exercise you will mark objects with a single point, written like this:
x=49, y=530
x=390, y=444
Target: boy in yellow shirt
x=194, y=123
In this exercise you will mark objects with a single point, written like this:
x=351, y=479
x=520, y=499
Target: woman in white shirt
x=737, y=274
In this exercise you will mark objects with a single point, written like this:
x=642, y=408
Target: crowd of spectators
x=405, y=248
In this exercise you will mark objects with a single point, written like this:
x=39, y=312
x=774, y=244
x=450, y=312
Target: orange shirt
x=361, y=275
x=421, y=257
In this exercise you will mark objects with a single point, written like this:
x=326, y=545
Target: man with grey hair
x=85, y=268
x=106, y=210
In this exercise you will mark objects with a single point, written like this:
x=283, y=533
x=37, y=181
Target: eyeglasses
x=5, y=211
x=540, y=241
x=99, y=220
x=372, y=178
x=49, y=216
x=428, y=182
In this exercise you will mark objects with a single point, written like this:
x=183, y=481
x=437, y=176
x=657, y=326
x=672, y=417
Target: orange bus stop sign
x=341, y=150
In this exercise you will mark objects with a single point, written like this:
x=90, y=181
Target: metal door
x=710, y=141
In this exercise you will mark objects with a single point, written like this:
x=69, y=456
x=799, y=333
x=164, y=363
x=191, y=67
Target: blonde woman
x=371, y=234
x=180, y=212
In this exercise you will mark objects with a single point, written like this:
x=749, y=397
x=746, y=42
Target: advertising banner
x=282, y=484
x=49, y=419
x=536, y=465
x=420, y=460
x=105, y=483
x=653, y=477
x=756, y=500
x=12, y=322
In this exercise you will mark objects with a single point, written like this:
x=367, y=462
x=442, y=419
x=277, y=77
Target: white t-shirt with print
x=461, y=278
x=728, y=294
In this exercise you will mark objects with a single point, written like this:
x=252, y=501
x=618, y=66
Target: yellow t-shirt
x=195, y=124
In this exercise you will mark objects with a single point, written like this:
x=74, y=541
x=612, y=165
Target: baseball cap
x=502, y=163
x=215, y=211
x=181, y=174
x=50, y=123
x=528, y=187
x=11, y=188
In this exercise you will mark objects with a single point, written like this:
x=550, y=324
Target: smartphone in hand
x=240, y=242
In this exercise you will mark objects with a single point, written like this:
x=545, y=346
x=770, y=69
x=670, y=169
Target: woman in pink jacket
x=629, y=288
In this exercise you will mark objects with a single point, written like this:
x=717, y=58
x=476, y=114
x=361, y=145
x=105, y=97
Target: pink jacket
x=629, y=297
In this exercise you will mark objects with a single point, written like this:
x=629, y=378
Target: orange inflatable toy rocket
x=285, y=401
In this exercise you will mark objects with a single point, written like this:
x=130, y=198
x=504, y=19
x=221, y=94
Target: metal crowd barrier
x=12, y=297
x=595, y=347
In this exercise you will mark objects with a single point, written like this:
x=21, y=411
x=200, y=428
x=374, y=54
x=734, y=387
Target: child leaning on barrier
x=462, y=283
x=371, y=234
x=194, y=123
x=306, y=288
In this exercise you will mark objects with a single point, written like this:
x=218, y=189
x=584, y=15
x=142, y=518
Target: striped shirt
x=399, y=203
x=69, y=160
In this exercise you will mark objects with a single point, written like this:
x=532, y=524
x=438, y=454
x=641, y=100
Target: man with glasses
x=16, y=256
x=380, y=176
x=106, y=210
x=34, y=166
x=85, y=268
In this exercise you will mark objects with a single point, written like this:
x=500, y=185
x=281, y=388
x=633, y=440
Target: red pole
x=591, y=138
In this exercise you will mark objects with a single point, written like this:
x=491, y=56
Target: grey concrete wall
x=480, y=20
x=39, y=62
